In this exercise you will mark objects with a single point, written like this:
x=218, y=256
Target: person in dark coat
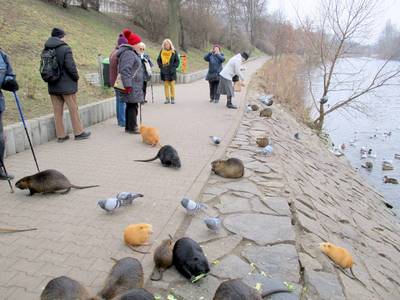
x=168, y=62
x=64, y=89
x=215, y=59
x=8, y=82
x=131, y=70
x=147, y=65
x=120, y=105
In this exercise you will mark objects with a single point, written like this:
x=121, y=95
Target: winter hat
x=245, y=55
x=58, y=32
x=122, y=40
x=132, y=38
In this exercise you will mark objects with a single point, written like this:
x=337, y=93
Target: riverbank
x=276, y=215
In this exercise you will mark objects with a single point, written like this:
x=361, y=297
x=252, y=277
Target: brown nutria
x=266, y=112
x=136, y=294
x=162, y=258
x=65, y=288
x=126, y=274
x=262, y=141
x=368, y=165
x=230, y=168
x=390, y=180
x=48, y=181
x=236, y=289
x=138, y=234
x=254, y=107
x=168, y=155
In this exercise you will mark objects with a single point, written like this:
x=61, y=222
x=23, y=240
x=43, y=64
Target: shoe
x=216, y=101
x=167, y=101
x=3, y=176
x=172, y=101
x=136, y=131
x=83, y=136
x=230, y=105
x=129, y=131
x=145, y=101
x=63, y=139
x=212, y=100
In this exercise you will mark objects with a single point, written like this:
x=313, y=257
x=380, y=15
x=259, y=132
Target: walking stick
x=140, y=113
x=152, y=94
x=26, y=129
x=8, y=178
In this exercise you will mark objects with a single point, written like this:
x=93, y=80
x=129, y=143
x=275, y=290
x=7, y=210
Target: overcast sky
x=390, y=10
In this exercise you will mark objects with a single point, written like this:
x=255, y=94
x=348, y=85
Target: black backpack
x=49, y=68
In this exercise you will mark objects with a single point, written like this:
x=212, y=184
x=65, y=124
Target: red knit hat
x=132, y=38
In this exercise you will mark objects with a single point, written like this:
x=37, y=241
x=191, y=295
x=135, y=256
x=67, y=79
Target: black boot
x=230, y=105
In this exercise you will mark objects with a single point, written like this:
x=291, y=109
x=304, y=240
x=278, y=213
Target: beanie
x=245, y=55
x=58, y=32
x=126, y=32
x=122, y=40
x=134, y=39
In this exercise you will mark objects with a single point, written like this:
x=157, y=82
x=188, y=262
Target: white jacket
x=232, y=68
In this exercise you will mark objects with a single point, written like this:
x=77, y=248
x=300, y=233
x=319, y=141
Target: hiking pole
x=152, y=94
x=8, y=177
x=26, y=129
x=140, y=113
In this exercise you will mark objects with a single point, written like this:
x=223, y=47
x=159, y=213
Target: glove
x=128, y=90
x=10, y=84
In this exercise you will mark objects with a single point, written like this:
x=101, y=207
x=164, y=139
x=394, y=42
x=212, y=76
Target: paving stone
x=231, y=267
x=243, y=186
x=325, y=285
x=262, y=229
x=221, y=247
x=277, y=261
x=231, y=204
x=260, y=207
x=277, y=204
x=215, y=190
x=203, y=289
x=200, y=233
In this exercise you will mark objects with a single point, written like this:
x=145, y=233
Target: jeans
x=214, y=95
x=120, y=105
x=2, y=142
x=131, y=115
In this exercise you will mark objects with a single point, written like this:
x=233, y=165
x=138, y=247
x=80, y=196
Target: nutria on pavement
x=162, y=258
x=262, y=142
x=266, y=112
x=230, y=168
x=254, y=107
x=189, y=258
x=136, y=294
x=126, y=274
x=236, y=289
x=65, y=288
x=168, y=155
x=48, y=181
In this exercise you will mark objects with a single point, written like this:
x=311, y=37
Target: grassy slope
x=26, y=24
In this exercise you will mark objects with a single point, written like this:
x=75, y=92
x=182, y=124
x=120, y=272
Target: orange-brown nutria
x=262, y=141
x=266, y=112
x=338, y=255
x=230, y=168
x=150, y=135
x=162, y=258
x=138, y=234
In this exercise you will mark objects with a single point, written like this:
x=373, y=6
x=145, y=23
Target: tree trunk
x=84, y=4
x=174, y=20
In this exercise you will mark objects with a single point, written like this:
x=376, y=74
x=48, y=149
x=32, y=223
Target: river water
x=370, y=128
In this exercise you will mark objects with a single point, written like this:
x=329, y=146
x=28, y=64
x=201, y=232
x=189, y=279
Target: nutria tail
x=151, y=159
x=274, y=291
x=83, y=187
x=156, y=275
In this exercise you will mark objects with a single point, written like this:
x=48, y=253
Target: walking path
x=75, y=237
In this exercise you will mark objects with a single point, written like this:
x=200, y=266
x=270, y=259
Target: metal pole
x=8, y=178
x=152, y=93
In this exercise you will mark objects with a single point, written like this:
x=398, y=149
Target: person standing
x=215, y=59
x=147, y=65
x=232, y=68
x=168, y=62
x=9, y=83
x=64, y=88
x=131, y=71
x=120, y=105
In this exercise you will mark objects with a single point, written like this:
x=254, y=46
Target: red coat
x=113, y=67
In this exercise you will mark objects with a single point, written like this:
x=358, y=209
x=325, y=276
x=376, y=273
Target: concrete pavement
x=75, y=237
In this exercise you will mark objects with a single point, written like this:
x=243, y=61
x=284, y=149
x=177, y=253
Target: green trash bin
x=106, y=72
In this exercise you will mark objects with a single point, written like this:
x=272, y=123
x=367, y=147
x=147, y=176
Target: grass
x=25, y=26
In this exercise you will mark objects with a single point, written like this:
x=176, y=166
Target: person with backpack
x=120, y=105
x=130, y=70
x=168, y=62
x=215, y=59
x=9, y=83
x=58, y=69
x=147, y=65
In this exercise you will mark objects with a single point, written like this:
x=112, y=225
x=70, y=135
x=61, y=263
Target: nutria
x=126, y=274
x=236, y=289
x=254, y=107
x=150, y=135
x=189, y=258
x=230, y=168
x=48, y=181
x=262, y=142
x=390, y=180
x=168, y=155
x=65, y=288
x=368, y=165
x=162, y=258
x=138, y=234
x=136, y=294
x=266, y=112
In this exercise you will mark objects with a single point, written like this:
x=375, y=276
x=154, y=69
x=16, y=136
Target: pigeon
x=127, y=197
x=213, y=223
x=297, y=136
x=248, y=108
x=267, y=150
x=266, y=99
x=215, y=139
x=343, y=146
x=191, y=206
x=110, y=204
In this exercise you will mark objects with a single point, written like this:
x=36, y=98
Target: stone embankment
x=276, y=215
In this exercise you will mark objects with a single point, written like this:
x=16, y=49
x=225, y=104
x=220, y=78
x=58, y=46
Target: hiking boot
x=167, y=101
x=172, y=101
x=3, y=176
x=63, y=139
x=230, y=105
x=83, y=136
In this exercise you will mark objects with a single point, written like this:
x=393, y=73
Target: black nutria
x=162, y=258
x=136, y=294
x=48, y=181
x=390, y=180
x=266, y=112
x=262, y=141
x=65, y=288
x=236, y=289
x=168, y=155
x=230, y=168
x=189, y=259
x=126, y=274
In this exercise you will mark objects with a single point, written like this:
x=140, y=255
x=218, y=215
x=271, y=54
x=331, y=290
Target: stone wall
x=108, y=6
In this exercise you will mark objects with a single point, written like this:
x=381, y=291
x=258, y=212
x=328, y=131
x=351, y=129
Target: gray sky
x=390, y=10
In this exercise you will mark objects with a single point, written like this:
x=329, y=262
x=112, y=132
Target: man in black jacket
x=65, y=88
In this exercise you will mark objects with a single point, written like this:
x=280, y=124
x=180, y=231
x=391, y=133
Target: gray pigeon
x=127, y=197
x=191, y=206
x=213, y=223
x=215, y=139
x=122, y=199
x=266, y=99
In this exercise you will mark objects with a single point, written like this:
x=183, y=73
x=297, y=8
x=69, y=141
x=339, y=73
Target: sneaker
x=167, y=101
x=63, y=139
x=231, y=106
x=83, y=136
x=172, y=101
x=3, y=176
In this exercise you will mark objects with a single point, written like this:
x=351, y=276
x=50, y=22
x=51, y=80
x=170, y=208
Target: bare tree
x=341, y=22
x=174, y=20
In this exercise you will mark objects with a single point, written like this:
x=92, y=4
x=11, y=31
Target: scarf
x=166, y=56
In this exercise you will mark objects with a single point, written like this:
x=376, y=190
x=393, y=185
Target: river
x=376, y=128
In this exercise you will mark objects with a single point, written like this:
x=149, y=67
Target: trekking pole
x=8, y=177
x=140, y=113
x=26, y=129
x=152, y=94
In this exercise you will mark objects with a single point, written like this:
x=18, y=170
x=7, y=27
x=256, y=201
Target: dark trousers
x=2, y=142
x=144, y=89
x=131, y=112
x=214, y=95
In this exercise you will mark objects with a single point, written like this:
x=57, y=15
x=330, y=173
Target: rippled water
x=382, y=115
